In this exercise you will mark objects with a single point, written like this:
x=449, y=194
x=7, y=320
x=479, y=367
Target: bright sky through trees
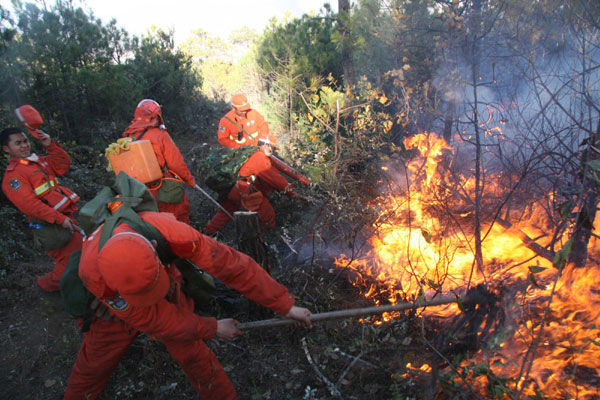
x=218, y=18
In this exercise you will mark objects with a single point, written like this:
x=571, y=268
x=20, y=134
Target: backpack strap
x=128, y=216
x=139, y=137
x=239, y=127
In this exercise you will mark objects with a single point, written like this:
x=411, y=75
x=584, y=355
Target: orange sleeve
x=58, y=158
x=263, y=128
x=275, y=180
x=174, y=159
x=18, y=190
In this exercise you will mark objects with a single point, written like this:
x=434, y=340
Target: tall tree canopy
x=86, y=76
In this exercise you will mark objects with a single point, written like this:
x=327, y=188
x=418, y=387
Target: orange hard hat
x=147, y=114
x=130, y=265
x=30, y=118
x=240, y=101
x=147, y=108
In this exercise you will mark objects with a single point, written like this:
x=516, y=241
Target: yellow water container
x=139, y=161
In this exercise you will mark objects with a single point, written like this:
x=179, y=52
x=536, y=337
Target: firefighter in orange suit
x=254, y=177
x=31, y=184
x=128, y=277
x=244, y=126
x=148, y=125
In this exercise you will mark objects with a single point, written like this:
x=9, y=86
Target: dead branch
x=527, y=241
x=337, y=350
x=332, y=388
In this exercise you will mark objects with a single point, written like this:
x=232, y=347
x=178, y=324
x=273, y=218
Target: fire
x=424, y=245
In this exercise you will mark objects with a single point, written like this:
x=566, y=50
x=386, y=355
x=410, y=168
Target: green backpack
x=136, y=198
x=75, y=297
x=224, y=163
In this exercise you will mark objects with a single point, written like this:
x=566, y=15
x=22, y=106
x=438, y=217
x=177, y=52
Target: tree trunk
x=250, y=237
x=478, y=146
x=449, y=120
x=347, y=63
x=250, y=240
x=585, y=217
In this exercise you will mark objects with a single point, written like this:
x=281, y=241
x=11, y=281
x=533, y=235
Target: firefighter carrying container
x=136, y=159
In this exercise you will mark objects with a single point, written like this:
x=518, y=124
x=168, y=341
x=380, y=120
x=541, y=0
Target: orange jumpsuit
x=268, y=179
x=171, y=320
x=33, y=187
x=169, y=157
x=253, y=123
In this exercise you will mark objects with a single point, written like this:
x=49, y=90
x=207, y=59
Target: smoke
x=532, y=102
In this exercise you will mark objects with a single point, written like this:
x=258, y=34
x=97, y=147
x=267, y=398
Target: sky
x=217, y=17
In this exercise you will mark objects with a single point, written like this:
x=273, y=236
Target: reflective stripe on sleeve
x=64, y=200
x=45, y=187
x=61, y=203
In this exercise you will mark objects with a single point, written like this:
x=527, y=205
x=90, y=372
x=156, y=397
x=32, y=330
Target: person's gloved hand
x=240, y=135
x=101, y=311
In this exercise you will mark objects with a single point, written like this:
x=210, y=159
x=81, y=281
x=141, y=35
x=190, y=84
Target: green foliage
x=292, y=55
x=303, y=44
x=83, y=75
x=496, y=386
x=226, y=67
x=561, y=256
x=342, y=140
x=166, y=75
x=344, y=130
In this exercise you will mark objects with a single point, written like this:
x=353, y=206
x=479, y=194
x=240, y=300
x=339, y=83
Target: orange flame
x=422, y=246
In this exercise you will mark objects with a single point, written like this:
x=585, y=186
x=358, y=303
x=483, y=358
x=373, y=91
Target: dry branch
x=527, y=241
x=332, y=388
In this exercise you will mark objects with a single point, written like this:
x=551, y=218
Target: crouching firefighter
x=125, y=265
x=31, y=184
x=255, y=177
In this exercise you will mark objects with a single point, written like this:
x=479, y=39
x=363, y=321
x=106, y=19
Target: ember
x=424, y=245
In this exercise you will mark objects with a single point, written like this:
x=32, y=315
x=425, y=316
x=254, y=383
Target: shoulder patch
x=222, y=128
x=117, y=303
x=14, y=183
